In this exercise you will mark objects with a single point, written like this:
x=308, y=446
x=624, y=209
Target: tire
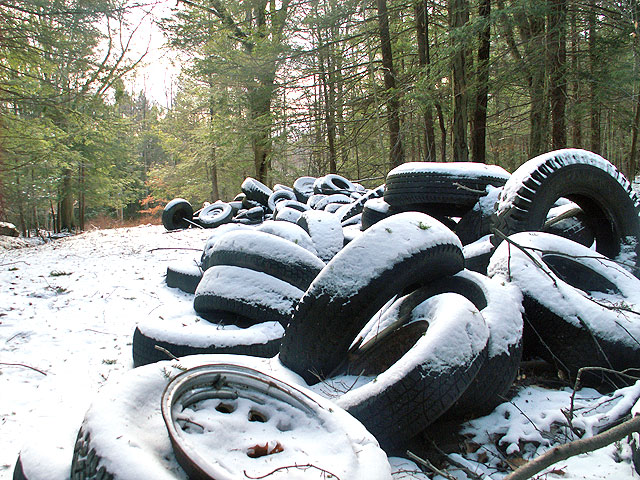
x=356, y=207
x=124, y=427
x=18, y=472
x=501, y=307
x=256, y=296
x=333, y=183
x=303, y=188
x=186, y=334
x=177, y=214
x=406, y=249
x=476, y=223
x=453, y=187
x=215, y=214
x=267, y=253
x=256, y=191
x=340, y=198
x=214, y=237
x=287, y=214
x=184, y=276
x=478, y=254
x=279, y=196
x=611, y=207
x=292, y=232
x=572, y=298
x=375, y=210
x=244, y=402
x=572, y=224
x=252, y=216
x=417, y=370
x=325, y=231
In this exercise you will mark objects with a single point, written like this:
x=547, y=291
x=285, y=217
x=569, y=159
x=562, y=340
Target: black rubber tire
x=256, y=191
x=478, y=254
x=213, y=238
x=215, y=214
x=416, y=385
x=501, y=306
x=177, y=214
x=333, y=198
x=356, y=207
x=184, y=276
x=252, y=216
x=333, y=183
x=573, y=225
x=400, y=251
x=564, y=305
x=18, y=472
x=181, y=340
x=289, y=231
x=279, y=196
x=250, y=294
x=303, y=188
x=439, y=184
x=375, y=210
x=325, y=231
x=610, y=205
x=267, y=253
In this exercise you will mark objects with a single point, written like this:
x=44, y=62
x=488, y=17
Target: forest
x=277, y=89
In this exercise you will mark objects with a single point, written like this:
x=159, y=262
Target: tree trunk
x=458, y=17
x=594, y=108
x=479, y=123
x=328, y=93
x=422, y=33
x=212, y=163
x=558, y=79
x=443, y=133
x=81, y=196
x=396, y=153
x=576, y=120
x=65, y=211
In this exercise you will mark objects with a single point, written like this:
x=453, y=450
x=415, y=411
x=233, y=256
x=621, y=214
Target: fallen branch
x=429, y=465
x=577, y=447
x=25, y=366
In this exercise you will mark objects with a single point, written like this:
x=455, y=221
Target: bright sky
x=157, y=76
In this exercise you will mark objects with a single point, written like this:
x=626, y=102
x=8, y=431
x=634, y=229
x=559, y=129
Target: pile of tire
x=421, y=295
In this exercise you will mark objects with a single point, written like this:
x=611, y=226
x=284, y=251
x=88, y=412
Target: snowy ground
x=67, y=315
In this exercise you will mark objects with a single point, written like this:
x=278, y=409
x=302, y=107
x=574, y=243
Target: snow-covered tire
x=18, y=472
x=572, y=224
x=303, y=188
x=336, y=198
x=256, y=296
x=267, y=253
x=289, y=231
x=184, y=276
x=177, y=214
x=333, y=183
x=185, y=333
x=581, y=305
x=406, y=249
x=224, y=398
x=454, y=187
x=610, y=205
x=256, y=191
x=213, y=238
x=279, y=196
x=375, y=210
x=417, y=370
x=500, y=305
x=325, y=231
x=348, y=211
x=252, y=216
x=215, y=214
x=125, y=430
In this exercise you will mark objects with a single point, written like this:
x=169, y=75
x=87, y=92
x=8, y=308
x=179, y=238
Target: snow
x=69, y=308
x=464, y=169
x=593, y=308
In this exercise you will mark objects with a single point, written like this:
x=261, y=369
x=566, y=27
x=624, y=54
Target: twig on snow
x=25, y=366
x=455, y=463
x=426, y=463
x=176, y=248
x=287, y=467
x=577, y=447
